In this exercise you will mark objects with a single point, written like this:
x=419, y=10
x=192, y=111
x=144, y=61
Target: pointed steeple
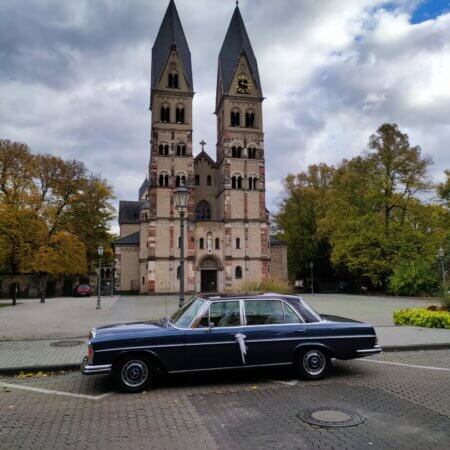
x=236, y=43
x=171, y=34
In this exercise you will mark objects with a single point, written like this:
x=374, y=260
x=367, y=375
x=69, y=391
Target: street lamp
x=440, y=256
x=100, y=253
x=311, y=265
x=181, y=199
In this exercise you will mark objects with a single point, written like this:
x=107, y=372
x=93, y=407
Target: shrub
x=422, y=317
x=268, y=285
x=414, y=278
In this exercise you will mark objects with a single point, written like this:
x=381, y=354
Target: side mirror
x=211, y=326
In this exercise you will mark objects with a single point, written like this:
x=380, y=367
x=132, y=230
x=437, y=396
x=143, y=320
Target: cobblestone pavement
x=404, y=397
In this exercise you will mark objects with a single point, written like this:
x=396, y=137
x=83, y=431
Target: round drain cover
x=66, y=343
x=330, y=417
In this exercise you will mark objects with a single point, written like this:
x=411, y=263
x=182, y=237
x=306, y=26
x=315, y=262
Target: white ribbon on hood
x=240, y=338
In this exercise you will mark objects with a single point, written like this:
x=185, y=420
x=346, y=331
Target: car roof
x=262, y=296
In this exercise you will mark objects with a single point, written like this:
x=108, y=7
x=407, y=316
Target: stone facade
x=226, y=238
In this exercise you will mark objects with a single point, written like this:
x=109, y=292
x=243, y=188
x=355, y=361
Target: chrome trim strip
x=376, y=349
x=92, y=369
x=141, y=347
x=318, y=338
x=232, y=367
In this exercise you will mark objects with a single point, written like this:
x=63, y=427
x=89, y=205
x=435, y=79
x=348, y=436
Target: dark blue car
x=222, y=333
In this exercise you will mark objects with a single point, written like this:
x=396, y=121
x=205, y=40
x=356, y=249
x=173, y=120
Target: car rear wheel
x=134, y=373
x=313, y=364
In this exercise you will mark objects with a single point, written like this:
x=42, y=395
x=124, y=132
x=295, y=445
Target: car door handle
x=300, y=331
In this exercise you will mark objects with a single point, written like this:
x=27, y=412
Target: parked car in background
x=82, y=290
x=221, y=333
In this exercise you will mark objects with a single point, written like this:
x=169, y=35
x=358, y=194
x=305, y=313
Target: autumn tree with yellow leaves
x=53, y=213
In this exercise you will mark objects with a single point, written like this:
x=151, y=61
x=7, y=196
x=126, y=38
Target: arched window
x=238, y=273
x=203, y=211
x=166, y=180
x=208, y=180
x=180, y=180
x=217, y=244
x=161, y=149
x=238, y=243
x=249, y=119
x=197, y=180
x=181, y=150
x=183, y=180
x=165, y=114
x=173, y=80
x=236, y=182
x=201, y=243
x=252, y=153
x=179, y=114
x=236, y=152
x=177, y=181
x=235, y=118
x=166, y=150
x=161, y=180
x=178, y=272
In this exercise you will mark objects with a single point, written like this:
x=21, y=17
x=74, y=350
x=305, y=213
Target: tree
x=444, y=189
x=53, y=213
x=300, y=210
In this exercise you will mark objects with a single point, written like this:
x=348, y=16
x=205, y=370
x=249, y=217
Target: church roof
x=208, y=158
x=131, y=239
x=275, y=241
x=129, y=212
x=171, y=34
x=236, y=42
x=143, y=188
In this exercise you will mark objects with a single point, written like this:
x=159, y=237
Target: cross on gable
x=203, y=143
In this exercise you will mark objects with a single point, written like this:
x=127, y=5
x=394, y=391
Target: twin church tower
x=227, y=242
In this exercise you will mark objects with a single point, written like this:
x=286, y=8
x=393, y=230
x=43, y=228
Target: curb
x=416, y=347
x=48, y=368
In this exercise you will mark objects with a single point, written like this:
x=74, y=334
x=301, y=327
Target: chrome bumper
x=370, y=351
x=87, y=369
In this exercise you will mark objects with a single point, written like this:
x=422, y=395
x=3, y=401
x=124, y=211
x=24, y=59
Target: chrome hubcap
x=134, y=373
x=314, y=362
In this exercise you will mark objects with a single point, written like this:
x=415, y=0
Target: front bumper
x=370, y=351
x=88, y=369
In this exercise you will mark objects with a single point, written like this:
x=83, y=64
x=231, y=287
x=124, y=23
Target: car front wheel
x=134, y=373
x=313, y=364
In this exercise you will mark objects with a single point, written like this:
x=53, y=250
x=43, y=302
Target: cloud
x=75, y=77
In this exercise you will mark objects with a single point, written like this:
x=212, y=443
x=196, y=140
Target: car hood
x=129, y=327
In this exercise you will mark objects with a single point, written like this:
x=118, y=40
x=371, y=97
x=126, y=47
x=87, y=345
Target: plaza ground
x=403, y=397
x=74, y=317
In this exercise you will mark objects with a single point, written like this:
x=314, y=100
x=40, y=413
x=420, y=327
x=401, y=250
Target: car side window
x=269, y=312
x=221, y=314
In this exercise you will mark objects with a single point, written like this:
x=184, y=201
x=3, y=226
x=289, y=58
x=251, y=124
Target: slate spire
x=236, y=43
x=170, y=35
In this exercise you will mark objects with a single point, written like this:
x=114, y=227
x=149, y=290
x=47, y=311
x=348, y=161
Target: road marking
x=443, y=369
x=50, y=391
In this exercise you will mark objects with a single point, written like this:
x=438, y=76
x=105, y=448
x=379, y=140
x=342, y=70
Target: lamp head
x=100, y=250
x=441, y=252
x=181, y=198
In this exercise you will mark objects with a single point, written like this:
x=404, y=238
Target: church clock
x=243, y=84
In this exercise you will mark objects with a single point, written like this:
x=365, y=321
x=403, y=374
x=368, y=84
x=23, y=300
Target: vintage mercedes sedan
x=220, y=333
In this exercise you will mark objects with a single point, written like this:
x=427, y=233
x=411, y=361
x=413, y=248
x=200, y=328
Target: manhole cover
x=66, y=343
x=330, y=417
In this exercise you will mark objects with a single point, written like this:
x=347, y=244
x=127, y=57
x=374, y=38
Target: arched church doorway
x=208, y=271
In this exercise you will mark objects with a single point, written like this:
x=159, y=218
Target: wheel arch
x=311, y=345
x=144, y=352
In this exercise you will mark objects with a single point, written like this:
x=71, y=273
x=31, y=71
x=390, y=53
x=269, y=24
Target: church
x=227, y=240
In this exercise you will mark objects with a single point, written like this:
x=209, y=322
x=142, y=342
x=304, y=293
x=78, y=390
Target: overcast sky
x=75, y=78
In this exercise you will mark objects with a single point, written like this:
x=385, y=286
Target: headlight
x=90, y=354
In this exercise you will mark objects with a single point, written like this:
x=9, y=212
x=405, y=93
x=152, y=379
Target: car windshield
x=185, y=315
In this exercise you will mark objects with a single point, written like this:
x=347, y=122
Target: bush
x=422, y=317
x=269, y=285
x=414, y=278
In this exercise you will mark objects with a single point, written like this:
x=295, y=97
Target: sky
x=75, y=78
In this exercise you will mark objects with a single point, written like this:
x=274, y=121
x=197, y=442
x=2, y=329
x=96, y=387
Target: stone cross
x=203, y=143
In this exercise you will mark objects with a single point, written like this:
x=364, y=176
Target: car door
x=272, y=331
x=211, y=343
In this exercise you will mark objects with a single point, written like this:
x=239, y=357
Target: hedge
x=422, y=317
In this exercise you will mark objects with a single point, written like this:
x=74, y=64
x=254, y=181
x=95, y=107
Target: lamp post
x=440, y=256
x=99, y=299
x=181, y=199
x=311, y=265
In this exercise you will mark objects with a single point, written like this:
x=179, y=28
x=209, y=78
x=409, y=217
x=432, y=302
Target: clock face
x=243, y=85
